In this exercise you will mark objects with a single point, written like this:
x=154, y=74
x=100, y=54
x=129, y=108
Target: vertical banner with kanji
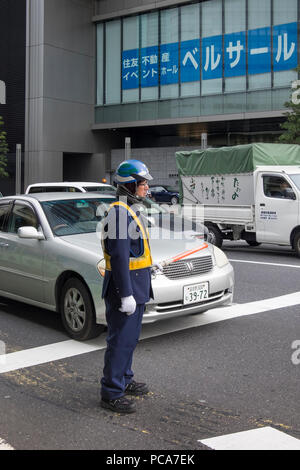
x=130, y=69
x=190, y=60
x=149, y=66
x=169, y=66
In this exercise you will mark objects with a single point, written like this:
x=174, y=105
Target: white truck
x=247, y=192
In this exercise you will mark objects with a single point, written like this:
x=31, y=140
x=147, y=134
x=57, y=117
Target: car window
x=100, y=189
x=22, y=215
x=4, y=212
x=277, y=187
x=70, y=217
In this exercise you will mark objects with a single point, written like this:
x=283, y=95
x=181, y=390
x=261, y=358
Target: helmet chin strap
x=132, y=198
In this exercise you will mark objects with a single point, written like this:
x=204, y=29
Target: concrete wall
x=159, y=160
x=60, y=88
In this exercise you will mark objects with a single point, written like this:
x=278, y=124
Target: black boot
x=136, y=388
x=119, y=405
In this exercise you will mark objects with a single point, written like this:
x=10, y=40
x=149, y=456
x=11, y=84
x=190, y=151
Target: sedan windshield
x=73, y=216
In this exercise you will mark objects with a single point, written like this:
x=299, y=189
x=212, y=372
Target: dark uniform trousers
x=123, y=330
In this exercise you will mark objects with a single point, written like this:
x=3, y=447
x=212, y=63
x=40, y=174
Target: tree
x=3, y=151
x=291, y=126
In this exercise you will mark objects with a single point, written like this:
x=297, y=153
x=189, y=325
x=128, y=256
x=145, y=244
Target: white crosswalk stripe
x=4, y=445
x=266, y=438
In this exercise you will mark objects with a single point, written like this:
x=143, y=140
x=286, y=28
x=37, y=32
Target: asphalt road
x=209, y=380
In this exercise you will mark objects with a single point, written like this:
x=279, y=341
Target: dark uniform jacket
x=124, y=240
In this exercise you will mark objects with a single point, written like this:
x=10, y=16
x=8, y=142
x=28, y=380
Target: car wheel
x=214, y=235
x=77, y=311
x=296, y=244
x=174, y=200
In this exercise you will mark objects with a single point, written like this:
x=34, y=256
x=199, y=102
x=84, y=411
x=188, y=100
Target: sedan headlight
x=220, y=257
x=101, y=267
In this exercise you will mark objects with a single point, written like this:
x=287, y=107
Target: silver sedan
x=51, y=257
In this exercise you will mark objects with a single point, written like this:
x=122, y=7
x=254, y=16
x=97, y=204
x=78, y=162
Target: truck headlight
x=101, y=267
x=220, y=257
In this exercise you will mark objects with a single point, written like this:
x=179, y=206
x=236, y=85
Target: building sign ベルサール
x=187, y=61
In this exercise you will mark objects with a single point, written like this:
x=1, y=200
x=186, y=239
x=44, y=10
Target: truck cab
x=277, y=196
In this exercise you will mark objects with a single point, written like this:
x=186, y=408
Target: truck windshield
x=296, y=179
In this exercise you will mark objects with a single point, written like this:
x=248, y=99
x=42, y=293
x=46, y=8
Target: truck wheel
x=77, y=311
x=214, y=235
x=296, y=244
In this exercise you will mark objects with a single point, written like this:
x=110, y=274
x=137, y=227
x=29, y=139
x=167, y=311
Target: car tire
x=214, y=235
x=77, y=311
x=174, y=200
x=296, y=244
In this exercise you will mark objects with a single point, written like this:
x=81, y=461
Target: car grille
x=192, y=267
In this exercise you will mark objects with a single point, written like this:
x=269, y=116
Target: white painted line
x=4, y=445
x=262, y=262
x=69, y=348
x=266, y=438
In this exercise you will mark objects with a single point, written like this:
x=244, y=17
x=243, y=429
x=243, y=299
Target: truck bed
x=229, y=214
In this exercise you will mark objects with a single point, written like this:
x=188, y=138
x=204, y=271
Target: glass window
x=169, y=54
x=284, y=13
x=113, y=62
x=190, y=50
x=149, y=56
x=99, y=63
x=131, y=43
x=278, y=187
x=4, y=211
x=259, y=44
x=211, y=23
x=235, y=45
x=22, y=215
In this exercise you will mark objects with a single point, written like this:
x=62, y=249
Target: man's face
x=142, y=188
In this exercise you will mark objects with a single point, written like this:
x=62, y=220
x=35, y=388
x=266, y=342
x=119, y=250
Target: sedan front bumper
x=221, y=282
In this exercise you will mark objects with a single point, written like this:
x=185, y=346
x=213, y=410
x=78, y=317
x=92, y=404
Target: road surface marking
x=265, y=438
x=4, y=445
x=262, y=262
x=70, y=348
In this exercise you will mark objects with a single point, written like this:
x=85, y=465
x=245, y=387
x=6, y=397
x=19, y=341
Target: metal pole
x=127, y=148
x=18, y=168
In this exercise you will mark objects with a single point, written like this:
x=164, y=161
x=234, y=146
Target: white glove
x=157, y=267
x=128, y=305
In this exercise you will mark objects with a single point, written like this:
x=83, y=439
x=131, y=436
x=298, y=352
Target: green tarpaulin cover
x=238, y=159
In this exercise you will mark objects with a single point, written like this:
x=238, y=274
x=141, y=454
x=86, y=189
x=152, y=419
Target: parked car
x=164, y=194
x=66, y=186
x=51, y=257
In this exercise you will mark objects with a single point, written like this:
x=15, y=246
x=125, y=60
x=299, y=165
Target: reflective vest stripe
x=140, y=262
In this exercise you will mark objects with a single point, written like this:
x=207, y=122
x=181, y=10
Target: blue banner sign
x=285, y=46
x=190, y=61
x=205, y=58
x=149, y=66
x=169, y=63
x=235, y=54
x=130, y=69
x=259, y=51
x=212, y=57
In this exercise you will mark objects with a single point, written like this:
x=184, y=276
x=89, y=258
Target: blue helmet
x=132, y=170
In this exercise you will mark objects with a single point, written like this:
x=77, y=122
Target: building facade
x=168, y=74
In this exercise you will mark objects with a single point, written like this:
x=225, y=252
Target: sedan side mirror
x=30, y=233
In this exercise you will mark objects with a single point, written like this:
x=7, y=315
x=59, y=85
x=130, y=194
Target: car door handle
x=5, y=245
x=262, y=205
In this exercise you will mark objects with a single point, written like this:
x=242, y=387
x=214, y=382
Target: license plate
x=195, y=293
